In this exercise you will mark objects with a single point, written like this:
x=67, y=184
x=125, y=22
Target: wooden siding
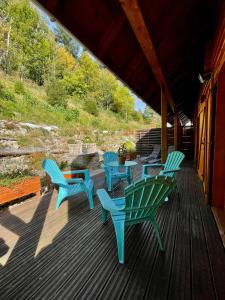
x=209, y=115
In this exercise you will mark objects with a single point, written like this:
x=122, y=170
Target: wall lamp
x=205, y=77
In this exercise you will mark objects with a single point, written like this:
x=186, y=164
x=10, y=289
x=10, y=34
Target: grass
x=27, y=102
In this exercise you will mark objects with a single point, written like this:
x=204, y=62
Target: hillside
x=26, y=101
x=48, y=78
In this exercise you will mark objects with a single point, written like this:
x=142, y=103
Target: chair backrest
x=53, y=171
x=173, y=161
x=156, y=150
x=109, y=157
x=144, y=197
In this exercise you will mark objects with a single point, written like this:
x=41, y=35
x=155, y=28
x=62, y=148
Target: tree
x=56, y=94
x=148, y=113
x=84, y=79
x=63, y=38
x=64, y=62
x=123, y=102
x=26, y=41
x=105, y=87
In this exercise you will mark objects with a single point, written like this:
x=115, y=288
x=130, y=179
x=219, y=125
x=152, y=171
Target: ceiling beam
x=135, y=17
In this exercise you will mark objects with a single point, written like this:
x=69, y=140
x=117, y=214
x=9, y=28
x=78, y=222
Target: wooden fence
x=145, y=138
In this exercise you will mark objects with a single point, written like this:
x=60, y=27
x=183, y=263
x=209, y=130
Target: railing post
x=163, y=124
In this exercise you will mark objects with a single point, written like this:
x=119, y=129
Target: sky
x=138, y=103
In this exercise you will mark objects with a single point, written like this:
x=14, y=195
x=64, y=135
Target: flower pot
x=20, y=189
x=131, y=155
x=122, y=159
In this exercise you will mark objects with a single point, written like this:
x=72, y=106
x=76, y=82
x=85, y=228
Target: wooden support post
x=163, y=125
x=175, y=131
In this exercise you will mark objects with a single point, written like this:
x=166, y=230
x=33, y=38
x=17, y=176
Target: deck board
x=69, y=254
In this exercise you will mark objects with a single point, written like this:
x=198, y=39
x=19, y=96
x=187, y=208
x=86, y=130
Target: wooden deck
x=69, y=254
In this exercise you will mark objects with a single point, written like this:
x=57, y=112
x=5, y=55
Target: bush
x=63, y=165
x=72, y=114
x=129, y=146
x=6, y=94
x=91, y=108
x=19, y=88
x=56, y=94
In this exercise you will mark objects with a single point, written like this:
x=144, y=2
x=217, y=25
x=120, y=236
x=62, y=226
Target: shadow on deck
x=69, y=254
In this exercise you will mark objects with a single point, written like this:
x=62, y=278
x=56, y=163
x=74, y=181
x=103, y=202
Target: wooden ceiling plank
x=110, y=34
x=135, y=17
x=133, y=65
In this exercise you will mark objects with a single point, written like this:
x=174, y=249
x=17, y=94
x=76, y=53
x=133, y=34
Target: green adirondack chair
x=140, y=204
x=172, y=165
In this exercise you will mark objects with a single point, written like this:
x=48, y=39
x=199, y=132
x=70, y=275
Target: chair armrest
x=74, y=180
x=153, y=165
x=172, y=170
x=107, y=201
x=85, y=172
x=60, y=184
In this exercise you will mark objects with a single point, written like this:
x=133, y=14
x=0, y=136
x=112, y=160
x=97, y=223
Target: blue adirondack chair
x=114, y=173
x=65, y=189
x=172, y=165
x=140, y=204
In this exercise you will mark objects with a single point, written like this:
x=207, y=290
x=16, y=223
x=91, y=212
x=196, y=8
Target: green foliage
x=10, y=179
x=63, y=165
x=72, y=114
x=123, y=102
x=137, y=116
x=148, y=113
x=19, y=88
x=63, y=38
x=129, y=146
x=56, y=94
x=30, y=99
x=26, y=48
x=91, y=107
x=5, y=94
